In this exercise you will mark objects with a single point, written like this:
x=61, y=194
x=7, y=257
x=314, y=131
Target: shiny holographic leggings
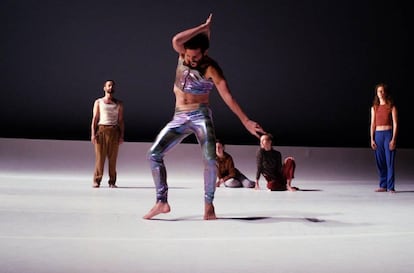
x=183, y=124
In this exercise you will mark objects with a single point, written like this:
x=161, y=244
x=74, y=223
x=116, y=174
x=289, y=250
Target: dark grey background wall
x=305, y=70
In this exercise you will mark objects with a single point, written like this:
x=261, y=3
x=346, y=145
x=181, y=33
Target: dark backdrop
x=305, y=70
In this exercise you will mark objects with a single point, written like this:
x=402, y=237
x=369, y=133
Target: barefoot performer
x=196, y=75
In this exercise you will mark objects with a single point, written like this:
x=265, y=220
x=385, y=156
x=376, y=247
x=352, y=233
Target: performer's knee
x=290, y=159
x=153, y=156
x=210, y=163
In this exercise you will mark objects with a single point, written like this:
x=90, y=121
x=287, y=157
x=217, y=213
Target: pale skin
x=108, y=98
x=266, y=144
x=187, y=101
x=374, y=127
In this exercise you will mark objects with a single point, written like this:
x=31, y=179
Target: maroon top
x=383, y=115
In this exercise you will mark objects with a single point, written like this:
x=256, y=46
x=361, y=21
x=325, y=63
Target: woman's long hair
x=388, y=99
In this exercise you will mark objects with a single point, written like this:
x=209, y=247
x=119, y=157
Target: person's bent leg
x=244, y=181
x=233, y=183
x=288, y=171
x=247, y=183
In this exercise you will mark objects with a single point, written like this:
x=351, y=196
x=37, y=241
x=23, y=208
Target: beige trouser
x=107, y=146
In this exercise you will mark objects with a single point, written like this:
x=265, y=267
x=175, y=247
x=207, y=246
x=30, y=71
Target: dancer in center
x=196, y=75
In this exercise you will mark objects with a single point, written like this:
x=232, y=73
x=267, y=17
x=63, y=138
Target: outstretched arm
x=180, y=38
x=222, y=87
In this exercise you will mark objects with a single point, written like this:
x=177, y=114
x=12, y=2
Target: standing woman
x=383, y=131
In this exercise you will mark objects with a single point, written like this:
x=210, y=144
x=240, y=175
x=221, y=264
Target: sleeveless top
x=383, y=115
x=191, y=80
x=108, y=113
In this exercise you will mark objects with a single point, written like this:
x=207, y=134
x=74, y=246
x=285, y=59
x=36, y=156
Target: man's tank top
x=108, y=113
x=190, y=80
x=383, y=115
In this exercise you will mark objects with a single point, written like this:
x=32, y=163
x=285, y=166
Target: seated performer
x=269, y=164
x=227, y=174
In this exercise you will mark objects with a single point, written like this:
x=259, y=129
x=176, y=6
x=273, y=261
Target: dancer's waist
x=190, y=107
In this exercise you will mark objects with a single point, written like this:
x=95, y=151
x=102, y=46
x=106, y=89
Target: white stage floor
x=52, y=220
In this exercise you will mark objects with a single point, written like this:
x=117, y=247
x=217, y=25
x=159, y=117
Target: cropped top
x=108, y=113
x=191, y=80
x=383, y=115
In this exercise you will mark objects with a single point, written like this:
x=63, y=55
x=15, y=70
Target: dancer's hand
x=254, y=128
x=207, y=25
x=373, y=145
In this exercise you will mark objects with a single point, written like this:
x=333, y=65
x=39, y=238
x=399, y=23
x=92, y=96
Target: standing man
x=107, y=133
x=196, y=75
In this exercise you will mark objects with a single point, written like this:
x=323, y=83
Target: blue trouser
x=183, y=124
x=385, y=159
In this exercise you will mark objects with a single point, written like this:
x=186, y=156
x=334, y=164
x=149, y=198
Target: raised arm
x=180, y=38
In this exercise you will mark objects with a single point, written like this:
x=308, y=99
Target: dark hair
x=219, y=141
x=113, y=82
x=388, y=98
x=269, y=135
x=200, y=41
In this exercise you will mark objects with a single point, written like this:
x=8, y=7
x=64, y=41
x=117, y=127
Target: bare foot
x=381, y=190
x=292, y=188
x=159, y=207
x=209, y=213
